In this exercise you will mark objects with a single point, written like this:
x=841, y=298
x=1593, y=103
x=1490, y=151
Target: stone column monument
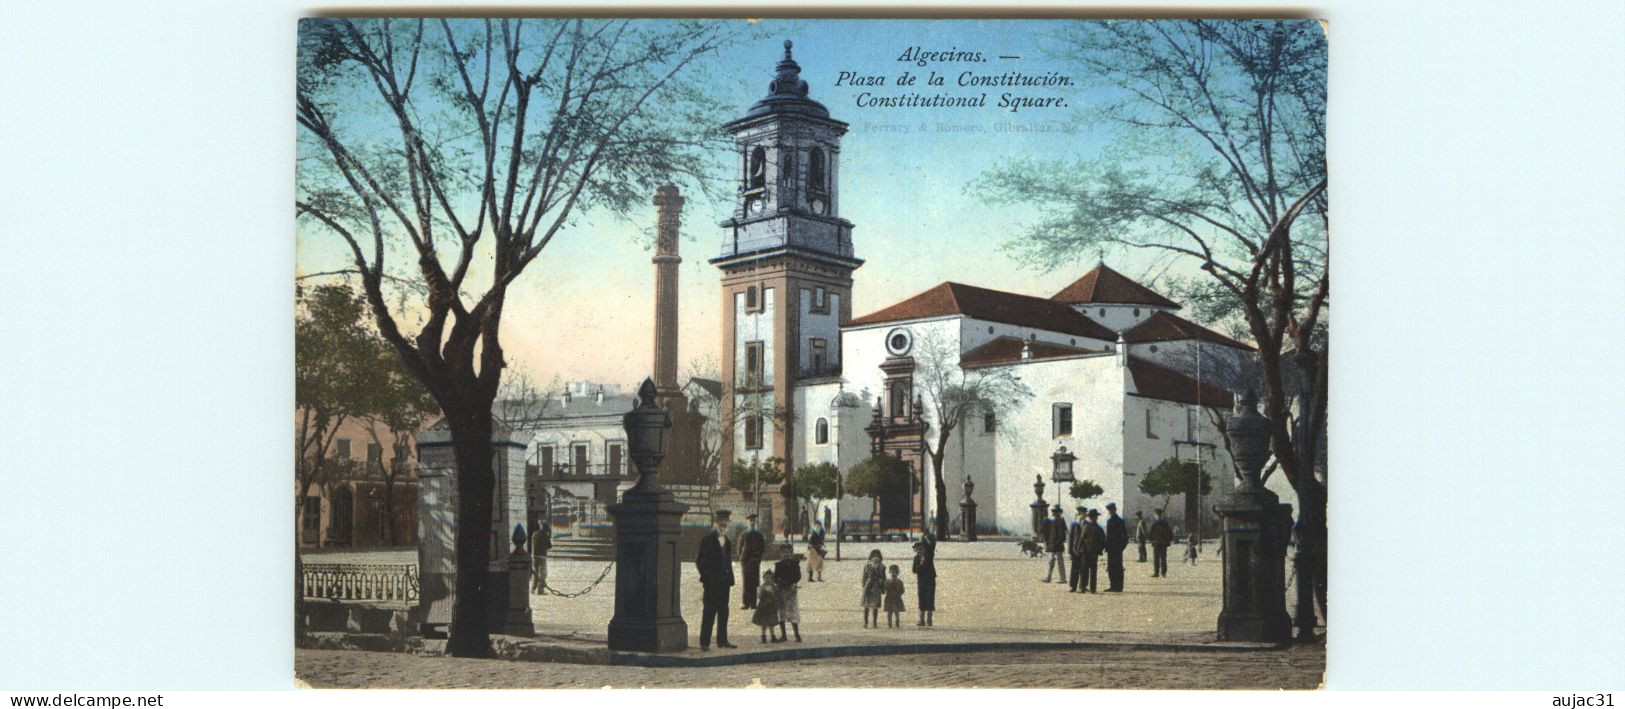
x=682, y=462
x=648, y=616
x=1256, y=526
x=967, y=513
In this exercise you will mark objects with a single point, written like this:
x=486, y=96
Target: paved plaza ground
x=987, y=592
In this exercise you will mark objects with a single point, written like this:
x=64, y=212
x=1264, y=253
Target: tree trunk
x=942, y=490
x=471, y=621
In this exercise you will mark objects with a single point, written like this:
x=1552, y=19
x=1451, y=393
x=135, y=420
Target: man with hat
x=1116, y=542
x=1162, y=536
x=1094, y=541
x=1074, y=547
x=715, y=564
x=751, y=546
x=1055, y=544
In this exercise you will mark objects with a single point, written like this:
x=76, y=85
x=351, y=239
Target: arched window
x=815, y=170
x=757, y=175
x=821, y=435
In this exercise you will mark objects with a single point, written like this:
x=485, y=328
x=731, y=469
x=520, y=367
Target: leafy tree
x=953, y=396
x=342, y=372
x=454, y=152
x=879, y=476
x=814, y=483
x=751, y=476
x=1175, y=477
x=1220, y=149
x=1085, y=489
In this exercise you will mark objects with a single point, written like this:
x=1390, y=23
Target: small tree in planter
x=1086, y=489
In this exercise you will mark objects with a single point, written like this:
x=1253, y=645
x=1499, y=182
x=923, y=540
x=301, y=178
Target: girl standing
x=767, y=606
x=874, y=582
x=894, y=598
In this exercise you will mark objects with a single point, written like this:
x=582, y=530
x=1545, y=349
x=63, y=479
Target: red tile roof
x=1158, y=382
x=1163, y=326
x=1005, y=350
x=1103, y=285
x=949, y=298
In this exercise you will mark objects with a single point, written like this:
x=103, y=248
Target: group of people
x=883, y=592
x=1085, y=540
x=772, y=595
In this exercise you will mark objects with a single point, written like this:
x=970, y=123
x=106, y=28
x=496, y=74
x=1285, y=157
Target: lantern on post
x=1062, y=460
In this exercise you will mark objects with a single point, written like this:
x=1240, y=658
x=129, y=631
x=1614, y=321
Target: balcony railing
x=590, y=471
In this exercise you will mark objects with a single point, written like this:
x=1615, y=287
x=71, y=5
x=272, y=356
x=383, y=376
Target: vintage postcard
x=811, y=353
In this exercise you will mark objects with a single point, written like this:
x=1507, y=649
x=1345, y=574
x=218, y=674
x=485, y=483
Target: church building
x=1117, y=381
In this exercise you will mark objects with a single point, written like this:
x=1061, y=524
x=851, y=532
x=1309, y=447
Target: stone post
x=967, y=513
x=1254, y=540
x=648, y=616
x=1040, y=507
x=517, y=620
x=438, y=564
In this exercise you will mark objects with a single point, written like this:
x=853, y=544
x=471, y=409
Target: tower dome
x=787, y=92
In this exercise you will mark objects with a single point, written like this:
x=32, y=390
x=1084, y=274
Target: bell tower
x=786, y=267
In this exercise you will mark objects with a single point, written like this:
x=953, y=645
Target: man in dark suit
x=1074, y=547
x=1094, y=542
x=715, y=564
x=751, y=546
x=1116, y=542
x=1162, y=535
x=1055, y=544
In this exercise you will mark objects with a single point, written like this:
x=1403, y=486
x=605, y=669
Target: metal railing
x=361, y=582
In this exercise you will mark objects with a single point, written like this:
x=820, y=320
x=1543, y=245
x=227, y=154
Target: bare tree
x=953, y=396
x=1221, y=150
x=459, y=149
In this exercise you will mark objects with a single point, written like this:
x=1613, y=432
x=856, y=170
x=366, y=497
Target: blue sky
x=584, y=309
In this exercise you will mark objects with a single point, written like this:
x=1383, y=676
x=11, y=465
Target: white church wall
x=1175, y=436
x=864, y=348
x=1094, y=387
x=847, y=444
x=974, y=451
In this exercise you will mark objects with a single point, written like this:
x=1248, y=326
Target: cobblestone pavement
x=1298, y=667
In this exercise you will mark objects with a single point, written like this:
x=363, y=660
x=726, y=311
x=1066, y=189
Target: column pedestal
x=967, y=521
x=1254, y=567
x=648, y=613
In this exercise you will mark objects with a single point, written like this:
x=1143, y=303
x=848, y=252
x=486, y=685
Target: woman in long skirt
x=925, y=577
x=815, y=553
x=874, y=587
x=786, y=574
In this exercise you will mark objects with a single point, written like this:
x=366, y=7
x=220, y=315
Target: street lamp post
x=836, y=412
